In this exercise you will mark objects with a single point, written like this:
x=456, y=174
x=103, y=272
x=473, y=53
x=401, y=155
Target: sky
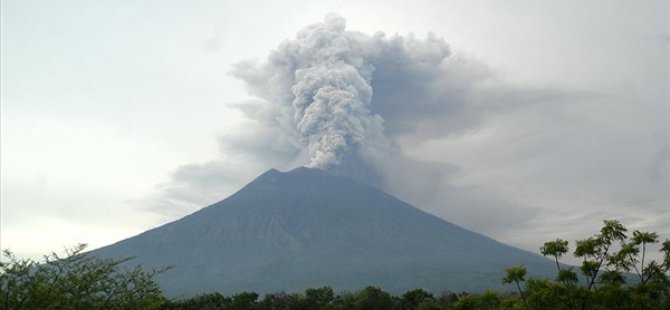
x=522, y=120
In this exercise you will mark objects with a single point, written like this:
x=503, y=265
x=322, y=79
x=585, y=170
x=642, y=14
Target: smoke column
x=322, y=83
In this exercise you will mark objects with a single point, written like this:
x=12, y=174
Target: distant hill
x=308, y=228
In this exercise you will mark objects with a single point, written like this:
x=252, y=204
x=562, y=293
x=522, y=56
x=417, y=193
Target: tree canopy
x=76, y=281
x=615, y=273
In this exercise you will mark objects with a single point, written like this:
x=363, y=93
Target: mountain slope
x=307, y=228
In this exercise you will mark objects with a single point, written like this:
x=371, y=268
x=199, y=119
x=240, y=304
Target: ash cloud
x=442, y=131
x=347, y=99
x=350, y=103
x=322, y=82
x=354, y=104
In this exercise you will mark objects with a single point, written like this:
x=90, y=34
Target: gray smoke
x=358, y=105
x=322, y=83
x=444, y=132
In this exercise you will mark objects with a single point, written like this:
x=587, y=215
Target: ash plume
x=356, y=105
x=440, y=129
x=322, y=83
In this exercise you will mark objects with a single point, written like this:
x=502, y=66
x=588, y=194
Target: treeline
x=538, y=294
x=324, y=298
x=603, y=281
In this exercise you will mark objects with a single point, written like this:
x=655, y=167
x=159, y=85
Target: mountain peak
x=270, y=174
x=297, y=175
x=287, y=231
x=301, y=170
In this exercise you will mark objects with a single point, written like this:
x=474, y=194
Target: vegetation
x=76, y=281
x=608, y=259
x=615, y=274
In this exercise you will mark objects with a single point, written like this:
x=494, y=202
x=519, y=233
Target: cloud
x=443, y=131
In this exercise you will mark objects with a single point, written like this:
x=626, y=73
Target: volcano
x=287, y=231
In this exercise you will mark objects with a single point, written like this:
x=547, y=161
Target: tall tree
x=516, y=275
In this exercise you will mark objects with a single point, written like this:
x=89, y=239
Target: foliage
x=615, y=274
x=603, y=283
x=608, y=258
x=516, y=275
x=318, y=298
x=76, y=281
x=412, y=299
x=373, y=298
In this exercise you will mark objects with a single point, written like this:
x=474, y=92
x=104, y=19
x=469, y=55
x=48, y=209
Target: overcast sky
x=534, y=119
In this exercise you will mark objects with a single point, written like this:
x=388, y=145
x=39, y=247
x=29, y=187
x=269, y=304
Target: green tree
x=372, y=298
x=556, y=249
x=484, y=301
x=466, y=302
x=595, y=251
x=516, y=275
x=282, y=301
x=318, y=298
x=428, y=305
x=345, y=300
x=411, y=299
x=201, y=302
x=633, y=253
x=606, y=257
x=244, y=301
x=76, y=281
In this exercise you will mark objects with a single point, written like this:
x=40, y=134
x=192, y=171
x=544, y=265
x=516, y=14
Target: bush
x=76, y=281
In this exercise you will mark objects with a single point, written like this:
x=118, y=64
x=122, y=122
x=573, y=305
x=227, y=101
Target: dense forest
x=615, y=274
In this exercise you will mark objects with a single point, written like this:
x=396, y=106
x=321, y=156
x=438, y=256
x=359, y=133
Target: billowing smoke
x=444, y=132
x=357, y=105
x=322, y=83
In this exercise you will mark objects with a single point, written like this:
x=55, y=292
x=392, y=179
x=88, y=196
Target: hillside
x=308, y=228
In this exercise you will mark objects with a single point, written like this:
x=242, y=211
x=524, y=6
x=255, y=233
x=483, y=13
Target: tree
x=631, y=250
x=412, y=299
x=372, y=298
x=244, y=301
x=556, y=249
x=76, y=281
x=281, y=301
x=596, y=250
x=516, y=275
x=606, y=257
x=345, y=300
x=318, y=298
x=428, y=305
x=209, y=301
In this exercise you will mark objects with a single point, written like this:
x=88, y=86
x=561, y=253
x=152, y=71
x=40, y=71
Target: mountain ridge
x=286, y=231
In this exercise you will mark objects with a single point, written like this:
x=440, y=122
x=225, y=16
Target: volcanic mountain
x=287, y=231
